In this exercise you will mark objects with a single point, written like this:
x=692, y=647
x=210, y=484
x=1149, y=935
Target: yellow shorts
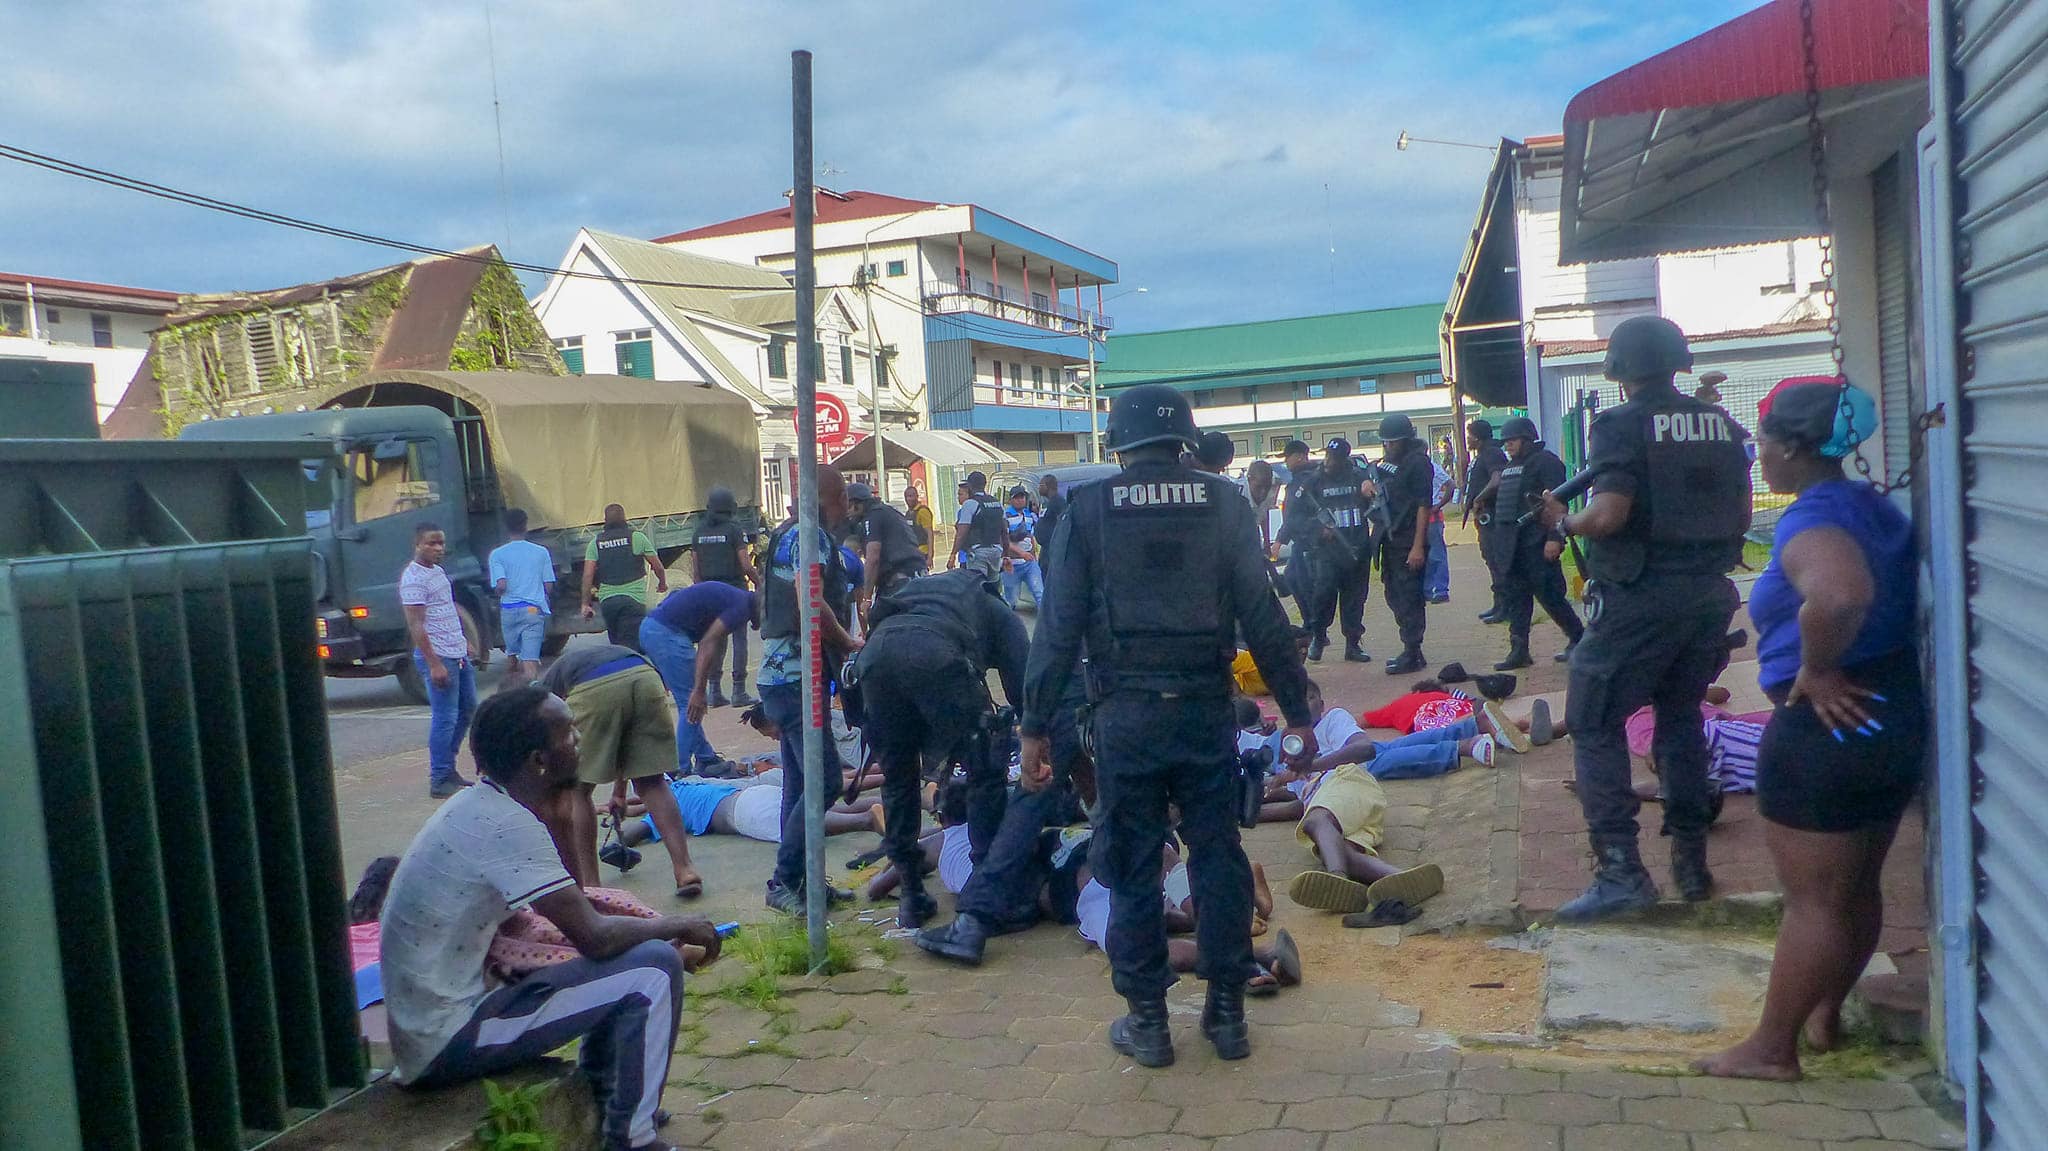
x=1245, y=671
x=1357, y=800
x=625, y=725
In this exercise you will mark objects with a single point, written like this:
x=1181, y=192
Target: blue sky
x=1218, y=151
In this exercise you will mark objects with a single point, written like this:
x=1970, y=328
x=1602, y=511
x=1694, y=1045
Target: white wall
x=112, y=368
x=599, y=309
x=1575, y=302
x=1735, y=289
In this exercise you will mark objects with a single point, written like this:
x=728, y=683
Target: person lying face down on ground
x=1278, y=965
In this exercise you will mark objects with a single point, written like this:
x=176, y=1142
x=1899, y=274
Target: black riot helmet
x=1520, y=428
x=721, y=500
x=1151, y=414
x=1644, y=349
x=1396, y=426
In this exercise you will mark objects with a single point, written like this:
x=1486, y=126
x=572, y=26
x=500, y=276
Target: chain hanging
x=1817, y=154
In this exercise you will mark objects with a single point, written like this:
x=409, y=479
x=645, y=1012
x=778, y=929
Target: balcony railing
x=1027, y=397
x=974, y=294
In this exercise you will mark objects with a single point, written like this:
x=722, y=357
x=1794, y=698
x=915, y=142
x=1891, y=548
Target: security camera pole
x=803, y=210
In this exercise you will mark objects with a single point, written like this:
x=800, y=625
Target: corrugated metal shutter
x=1894, y=312
x=1999, y=151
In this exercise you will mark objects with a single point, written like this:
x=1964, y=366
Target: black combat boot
x=1565, y=656
x=1620, y=885
x=1689, y=868
x=1518, y=656
x=1408, y=662
x=961, y=941
x=1143, y=1034
x=1354, y=651
x=913, y=907
x=1316, y=644
x=740, y=698
x=713, y=697
x=1223, y=1021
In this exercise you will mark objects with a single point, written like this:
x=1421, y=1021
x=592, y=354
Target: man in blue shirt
x=1021, y=549
x=684, y=635
x=523, y=576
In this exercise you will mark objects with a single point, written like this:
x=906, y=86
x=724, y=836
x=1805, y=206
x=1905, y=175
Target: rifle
x=1328, y=519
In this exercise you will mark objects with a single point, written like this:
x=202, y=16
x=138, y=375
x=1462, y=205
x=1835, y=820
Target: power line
x=261, y=215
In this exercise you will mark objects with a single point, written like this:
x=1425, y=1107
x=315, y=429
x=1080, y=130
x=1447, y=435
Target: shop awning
x=945, y=449
x=1705, y=145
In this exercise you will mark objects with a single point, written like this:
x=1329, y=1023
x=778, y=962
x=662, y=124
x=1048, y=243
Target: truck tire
x=409, y=681
x=552, y=646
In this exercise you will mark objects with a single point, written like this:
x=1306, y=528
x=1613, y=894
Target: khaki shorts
x=1357, y=800
x=626, y=725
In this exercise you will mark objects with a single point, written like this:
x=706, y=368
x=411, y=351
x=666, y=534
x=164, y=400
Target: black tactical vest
x=718, y=545
x=1159, y=533
x=989, y=529
x=900, y=554
x=1338, y=494
x=946, y=603
x=616, y=563
x=1692, y=502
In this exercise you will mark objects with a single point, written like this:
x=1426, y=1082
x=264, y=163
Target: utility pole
x=867, y=297
x=803, y=210
x=1094, y=406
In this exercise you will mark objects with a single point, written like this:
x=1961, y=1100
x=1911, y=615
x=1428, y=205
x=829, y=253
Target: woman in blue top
x=1841, y=756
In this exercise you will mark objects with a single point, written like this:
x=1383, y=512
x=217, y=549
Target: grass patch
x=1862, y=1054
x=836, y=1023
x=712, y=1116
x=783, y=948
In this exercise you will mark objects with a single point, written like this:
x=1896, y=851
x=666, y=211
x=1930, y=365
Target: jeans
x=1425, y=753
x=624, y=1009
x=1436, y=575
x=783, y=705
x=1028, y=574
x=675, y=657
x=453, y=706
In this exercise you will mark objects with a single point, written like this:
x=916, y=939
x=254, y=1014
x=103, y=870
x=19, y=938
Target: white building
x=978, y=317
x=74, y=322
x=1523, y=329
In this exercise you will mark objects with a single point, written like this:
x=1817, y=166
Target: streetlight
x=1402, y=141
x=866, y=281
x=1094, y=406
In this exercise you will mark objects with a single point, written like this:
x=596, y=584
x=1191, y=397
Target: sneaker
x=619, y=855
x=1505, y=728
x=787, y=900
x=1541, y=730
x=1482, y=750
x=448, y=787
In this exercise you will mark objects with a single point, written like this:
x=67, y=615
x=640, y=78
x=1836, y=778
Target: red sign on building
x=835, y=425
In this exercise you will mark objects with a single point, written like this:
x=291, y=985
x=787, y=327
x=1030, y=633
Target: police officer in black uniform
x=721, y=552
x=923, y=678
x=1480, y=488
x=1663, y=527
x=1336, y=506
x=1406, y=484
x=1155, y=570
x=890, y=556
x=1298, y=529
x=1534, y=571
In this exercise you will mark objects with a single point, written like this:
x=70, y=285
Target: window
x=1368, y=386
x=102, y=330
x=846, y=364
x=778, y=357
x=635, y=352
x=571, y=350
x=393, y=476
x=1367, y=436
x=1038, y=381
x=319, y=493
x=1251, y=396
x=1276, y=444
x=1241, y=447
x=817, y=360
x=1429, y=379
x=13, y=318
x=998, y=366
x=1315, y=391
x=1016, y=381
x=264, y=370
x=898, y=268
x=53, y=316
x=1040, y=302
x=868, y=272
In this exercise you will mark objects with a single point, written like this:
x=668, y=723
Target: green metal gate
x=175, y=973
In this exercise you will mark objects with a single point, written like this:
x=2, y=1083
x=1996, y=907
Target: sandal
x=1328, y=891
x=1262, y=986
x=690, y=889
x=1286, y=960
x=1387, y=913
x=1410, y=887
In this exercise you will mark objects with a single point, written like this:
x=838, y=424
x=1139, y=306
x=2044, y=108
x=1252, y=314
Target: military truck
x=392, y=449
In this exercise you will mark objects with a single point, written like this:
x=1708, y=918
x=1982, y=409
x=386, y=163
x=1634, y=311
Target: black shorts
x=1808, y=780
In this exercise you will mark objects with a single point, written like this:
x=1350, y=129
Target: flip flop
x=1505, y=729
x=1328, y=891
x=1410, y=887
x=1259, y=927
x=690, y=890
x=1541, y=728
x=1286, y=959
x=1254, y=989
x=1386, y=913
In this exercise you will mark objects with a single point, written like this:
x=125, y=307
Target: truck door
x=391, y=486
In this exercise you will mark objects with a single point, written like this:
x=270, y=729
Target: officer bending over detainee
x=923, y=678
x=1663, y=527
x=1156, y=570
x=1530, y=553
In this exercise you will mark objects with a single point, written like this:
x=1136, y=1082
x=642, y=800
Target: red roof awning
x=1704, y=145
x=1757, y=55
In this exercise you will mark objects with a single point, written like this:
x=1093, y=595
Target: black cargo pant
x=1405, y=596
x=1659, y=641
x=1151, y=750
x=922, y=698
x=1531, y=580
x=1003, y=890
x=1340, y=583
x=1490, y=535
x=622, y=615
x=736, y=649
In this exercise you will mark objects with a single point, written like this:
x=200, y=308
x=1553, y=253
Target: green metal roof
x=1272, y=351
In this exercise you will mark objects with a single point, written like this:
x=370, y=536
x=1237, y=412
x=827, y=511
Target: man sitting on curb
x=484, y=855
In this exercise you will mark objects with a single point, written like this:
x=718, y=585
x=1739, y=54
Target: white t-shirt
x=954, y=864
x=423, y=586
x=1092, y=908
x=1333, y=731
x=480, y=858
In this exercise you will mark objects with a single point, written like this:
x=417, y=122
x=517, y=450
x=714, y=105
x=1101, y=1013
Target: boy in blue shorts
x=523, y=576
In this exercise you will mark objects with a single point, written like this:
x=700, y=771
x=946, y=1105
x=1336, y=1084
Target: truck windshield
x=393, y=476
x=319, y=493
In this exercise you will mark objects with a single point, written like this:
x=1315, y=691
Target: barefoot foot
x=1262, y=895
x=1746, y=1061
